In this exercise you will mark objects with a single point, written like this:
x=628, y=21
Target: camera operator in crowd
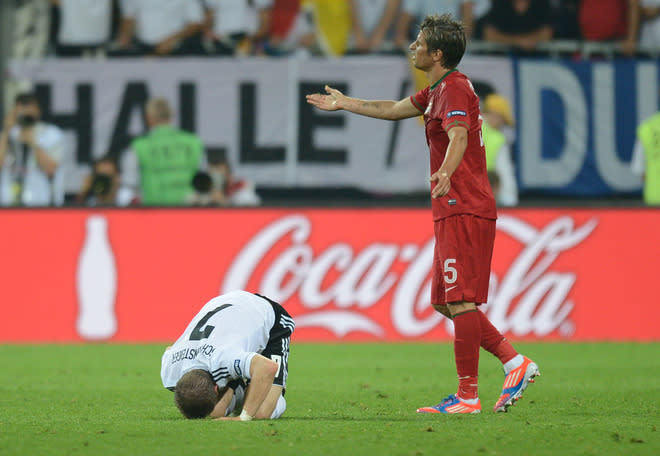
x=101, y=188
x=31, y=153
x=218, y=186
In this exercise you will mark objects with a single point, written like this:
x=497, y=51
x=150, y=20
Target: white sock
x=513, y=363
x=474, y=401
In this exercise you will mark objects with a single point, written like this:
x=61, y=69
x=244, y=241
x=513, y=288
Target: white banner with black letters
x=254, y=110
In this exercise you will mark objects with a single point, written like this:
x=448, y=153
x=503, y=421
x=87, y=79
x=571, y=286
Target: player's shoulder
x=458, y=84
x=458, y=80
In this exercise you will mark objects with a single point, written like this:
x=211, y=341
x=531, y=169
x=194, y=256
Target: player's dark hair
x=447, y=35
x=194, y=394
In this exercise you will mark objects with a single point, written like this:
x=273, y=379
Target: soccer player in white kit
x=231, y=362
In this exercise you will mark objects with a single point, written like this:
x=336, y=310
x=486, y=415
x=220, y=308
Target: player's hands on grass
x=443, y=184
x=229, y=418
x=331, y=102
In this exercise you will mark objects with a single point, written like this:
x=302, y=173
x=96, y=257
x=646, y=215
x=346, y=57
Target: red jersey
x=451, y=102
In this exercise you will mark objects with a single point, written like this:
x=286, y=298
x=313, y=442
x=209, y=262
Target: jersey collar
x=442, y=78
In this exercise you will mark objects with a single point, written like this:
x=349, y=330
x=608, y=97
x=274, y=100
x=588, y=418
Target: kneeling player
x=236, y=339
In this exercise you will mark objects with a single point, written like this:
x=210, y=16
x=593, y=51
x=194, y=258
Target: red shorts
x=461, y=259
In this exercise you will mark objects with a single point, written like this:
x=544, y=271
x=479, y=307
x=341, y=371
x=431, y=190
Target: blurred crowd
x=336, y=27
x=166, y=166
x=149, y=173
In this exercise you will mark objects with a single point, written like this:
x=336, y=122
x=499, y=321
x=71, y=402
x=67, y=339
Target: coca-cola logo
x=367, y=276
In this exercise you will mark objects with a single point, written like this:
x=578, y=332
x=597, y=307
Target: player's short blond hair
x=195, y=395
x=159, y=109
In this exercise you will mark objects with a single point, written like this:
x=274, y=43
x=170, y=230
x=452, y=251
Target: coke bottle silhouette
x=96, y=283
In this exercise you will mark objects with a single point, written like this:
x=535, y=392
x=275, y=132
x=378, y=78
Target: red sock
x=493, y=341
x=467, y=337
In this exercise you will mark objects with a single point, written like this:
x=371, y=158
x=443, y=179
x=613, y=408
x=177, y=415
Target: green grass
x=592, y=399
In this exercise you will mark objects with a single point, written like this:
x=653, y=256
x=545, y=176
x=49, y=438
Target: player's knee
x=455, y=308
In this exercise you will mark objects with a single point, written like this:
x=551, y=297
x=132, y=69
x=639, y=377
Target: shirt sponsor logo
x=237, y=367
x=451, y=114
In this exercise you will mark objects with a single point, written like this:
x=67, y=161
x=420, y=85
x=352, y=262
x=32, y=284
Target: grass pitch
x=343, y=399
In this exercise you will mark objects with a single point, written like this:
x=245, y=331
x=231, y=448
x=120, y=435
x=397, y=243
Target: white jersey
x=222, y=339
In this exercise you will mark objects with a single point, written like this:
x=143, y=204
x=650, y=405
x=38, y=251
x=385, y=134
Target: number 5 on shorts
x=451, y=274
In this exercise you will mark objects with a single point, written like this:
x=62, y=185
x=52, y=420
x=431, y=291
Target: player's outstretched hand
x=331, y=102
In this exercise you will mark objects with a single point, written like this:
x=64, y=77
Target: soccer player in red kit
x=463, y=207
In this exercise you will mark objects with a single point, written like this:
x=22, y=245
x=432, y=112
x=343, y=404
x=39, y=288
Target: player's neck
x=436, y=73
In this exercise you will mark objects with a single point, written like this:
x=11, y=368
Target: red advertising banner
x=343, y=274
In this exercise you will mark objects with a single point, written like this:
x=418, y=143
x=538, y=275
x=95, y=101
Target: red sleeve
x=453, y=106
x=421, y=99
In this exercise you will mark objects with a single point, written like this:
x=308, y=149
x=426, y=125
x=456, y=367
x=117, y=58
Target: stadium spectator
x=101, y=188
x=649, y=38
x=480, y=9
x=217, y=186
x=291, y=29
x=371, y=21
x=519, y=24
x=611, y=20
x=646, y=159
x=463, y=207
x=84, y=27
x=31, y=157
x=238, y=337
x=414, y=11
x=565, y=19
x=160, y=27
x=237, y=27
x=332, y=20
x=497, y=116
x=159, y=166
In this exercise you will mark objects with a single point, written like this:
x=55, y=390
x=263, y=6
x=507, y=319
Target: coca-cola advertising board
x=343, y=274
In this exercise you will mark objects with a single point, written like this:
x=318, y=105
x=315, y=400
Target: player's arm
x=262, y=374
x=268, y=405
x=220, y=409
x=379, y=109
x=458, y=139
